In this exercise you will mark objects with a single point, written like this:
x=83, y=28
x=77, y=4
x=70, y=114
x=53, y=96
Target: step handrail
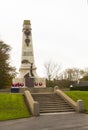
x=78, y=106
x=32, y=105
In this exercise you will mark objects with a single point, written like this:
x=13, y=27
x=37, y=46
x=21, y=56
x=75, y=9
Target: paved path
x=70, y=121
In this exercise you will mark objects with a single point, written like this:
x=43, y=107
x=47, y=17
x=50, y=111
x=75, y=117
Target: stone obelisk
x=27, y=58
x=27, y=71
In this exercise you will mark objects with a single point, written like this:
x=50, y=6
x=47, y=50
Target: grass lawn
x=12, y=106
x=75, y=95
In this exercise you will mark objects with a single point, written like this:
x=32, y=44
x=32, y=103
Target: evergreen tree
x=6, y=71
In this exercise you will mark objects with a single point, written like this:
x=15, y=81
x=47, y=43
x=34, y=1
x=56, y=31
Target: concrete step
x=50, y=102
x=55, y=111
x=55, y=106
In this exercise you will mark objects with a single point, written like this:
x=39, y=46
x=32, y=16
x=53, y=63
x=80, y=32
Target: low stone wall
x=5, y=90
x=21, y=90
x=41, y=90
x=79, y=106
x=32, y=105
x=36, y=90
x=32, y=90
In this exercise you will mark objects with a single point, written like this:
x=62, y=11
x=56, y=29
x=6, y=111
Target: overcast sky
x=59, y=30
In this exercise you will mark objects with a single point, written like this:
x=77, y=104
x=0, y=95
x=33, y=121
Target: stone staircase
x=51, y=103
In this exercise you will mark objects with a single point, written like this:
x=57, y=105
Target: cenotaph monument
x=27, y=71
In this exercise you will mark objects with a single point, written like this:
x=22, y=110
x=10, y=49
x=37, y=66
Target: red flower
x=36, y=84
x=40, y=84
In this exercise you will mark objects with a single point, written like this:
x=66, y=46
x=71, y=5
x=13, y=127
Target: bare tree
x=85, y=75
x=52, y=70
x=86, y=71
x=73, y=74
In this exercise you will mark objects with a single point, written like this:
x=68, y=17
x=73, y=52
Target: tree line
x=63, y=78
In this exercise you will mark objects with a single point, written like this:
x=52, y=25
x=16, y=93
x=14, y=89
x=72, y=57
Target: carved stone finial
x=26, y=22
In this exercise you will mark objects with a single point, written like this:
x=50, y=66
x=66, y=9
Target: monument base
x=37, y=82
x=40, y=83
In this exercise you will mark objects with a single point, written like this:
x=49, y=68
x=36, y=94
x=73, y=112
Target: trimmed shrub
x=81, y=88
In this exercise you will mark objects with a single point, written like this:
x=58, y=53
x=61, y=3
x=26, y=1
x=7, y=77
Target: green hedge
x=81, y=88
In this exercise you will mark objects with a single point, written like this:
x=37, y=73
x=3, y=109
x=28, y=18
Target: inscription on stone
x=25, y=53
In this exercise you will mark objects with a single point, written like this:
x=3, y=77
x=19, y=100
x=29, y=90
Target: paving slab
x=64, y=121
